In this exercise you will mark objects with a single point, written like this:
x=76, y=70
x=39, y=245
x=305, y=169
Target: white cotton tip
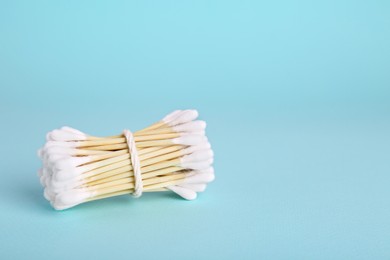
x=72, y=130
x=58, y=206
x=71, y=162
x=197, y=187
x=204, y=176
x=168, y=118
x=46, y=195
x=61, y=135
x=59, y=150
x=190, y=139
x=40, y=153
x=61, y=189
x=47, y=172
x=72, y=197
x=209, y=171
x=49, y=160
x=193, y=126
x=61, y=207
x=66, y=174
x=40, y=172
x=48, y=136
x=203, y=165
x=184, y=117
x=42, y=180
x=183, y=192
x=195, y=133
x=59, y=144
x=46, y=163
x=53, y=158
x=47, y=181
x=60, y=186
x=198, y=156
x=197, y=147
x=49, y=194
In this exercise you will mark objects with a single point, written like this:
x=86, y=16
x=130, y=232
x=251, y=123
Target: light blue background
x=297, y=99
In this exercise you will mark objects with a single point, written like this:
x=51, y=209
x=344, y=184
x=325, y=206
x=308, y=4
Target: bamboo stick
x=113, y=175
x=129, y=185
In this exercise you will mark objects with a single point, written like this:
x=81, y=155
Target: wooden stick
x=126, y=174
x=129, y=185
x=123, y=192
x=165, y=142
x=107, y=141
x=164, y=130
x=106, y=155
x=98, y=165
x=156, y=137
x=152, y=127
x=143, y=151
x=175, y=162
x=107, y=174
x=161, y=158
x=163, y=185
x=81, y=152
x=109, y=147
x=99, y=142
x=107, y=168
x=102, y=188
x=105, y=162
x=162, y=150
x=139, y=145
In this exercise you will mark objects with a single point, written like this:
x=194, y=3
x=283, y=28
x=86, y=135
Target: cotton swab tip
x=183, y=192
x=184, y=117
x=70, y=162
x=168, y=118
x=72, y=130
x=194, y=126
x=189, y=139
x=66, y=174
x=71, y=198
x=198, y=156
x=197, y=187
x=197, y=165
x=61, y=135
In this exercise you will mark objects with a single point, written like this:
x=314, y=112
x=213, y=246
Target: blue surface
x=297, y=99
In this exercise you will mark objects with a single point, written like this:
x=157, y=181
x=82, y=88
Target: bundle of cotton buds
x=172, y=154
